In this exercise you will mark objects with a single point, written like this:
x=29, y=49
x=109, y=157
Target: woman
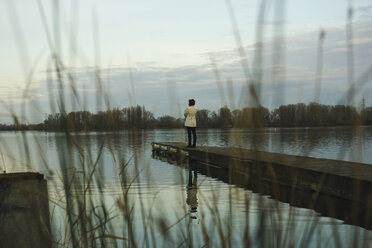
x=190, y=123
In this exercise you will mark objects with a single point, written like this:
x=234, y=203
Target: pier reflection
x=191, y=193
x=351, y=212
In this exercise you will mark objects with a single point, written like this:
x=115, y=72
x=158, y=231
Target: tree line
x=291, y=115
x=137, y=117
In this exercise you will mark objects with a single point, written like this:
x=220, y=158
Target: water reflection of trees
x=304, y=141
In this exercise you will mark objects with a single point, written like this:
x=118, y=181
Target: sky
x=161, y=53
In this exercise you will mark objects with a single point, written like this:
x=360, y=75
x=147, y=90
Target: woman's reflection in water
x=192, y=199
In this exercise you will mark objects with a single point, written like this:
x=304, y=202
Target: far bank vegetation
x=137, y=117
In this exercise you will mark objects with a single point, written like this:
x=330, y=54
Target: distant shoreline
x=181, y=128
x=137, y=117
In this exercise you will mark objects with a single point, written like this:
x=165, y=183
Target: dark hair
x=191, y=102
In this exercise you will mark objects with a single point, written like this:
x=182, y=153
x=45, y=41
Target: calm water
x=185, y=203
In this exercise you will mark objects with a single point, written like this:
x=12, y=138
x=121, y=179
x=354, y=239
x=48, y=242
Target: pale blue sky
x=168, y=45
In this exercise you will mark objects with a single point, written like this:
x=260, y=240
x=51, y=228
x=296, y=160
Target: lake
x=129, y=197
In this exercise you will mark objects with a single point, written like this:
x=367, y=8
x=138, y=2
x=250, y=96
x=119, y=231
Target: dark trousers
x=193, y=131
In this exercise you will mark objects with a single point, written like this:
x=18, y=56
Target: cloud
x=297, y=68
x=364, y=11
x=286, y=79
x=355, y=42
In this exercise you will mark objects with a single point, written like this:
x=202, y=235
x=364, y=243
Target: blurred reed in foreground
x=79, y=198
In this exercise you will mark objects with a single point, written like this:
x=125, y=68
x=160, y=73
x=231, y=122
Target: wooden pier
x=342, y=179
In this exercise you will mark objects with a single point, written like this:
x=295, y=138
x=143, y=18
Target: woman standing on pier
x=190, y=123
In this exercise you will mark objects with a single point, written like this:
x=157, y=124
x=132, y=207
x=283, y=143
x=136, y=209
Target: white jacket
x=190, y=114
